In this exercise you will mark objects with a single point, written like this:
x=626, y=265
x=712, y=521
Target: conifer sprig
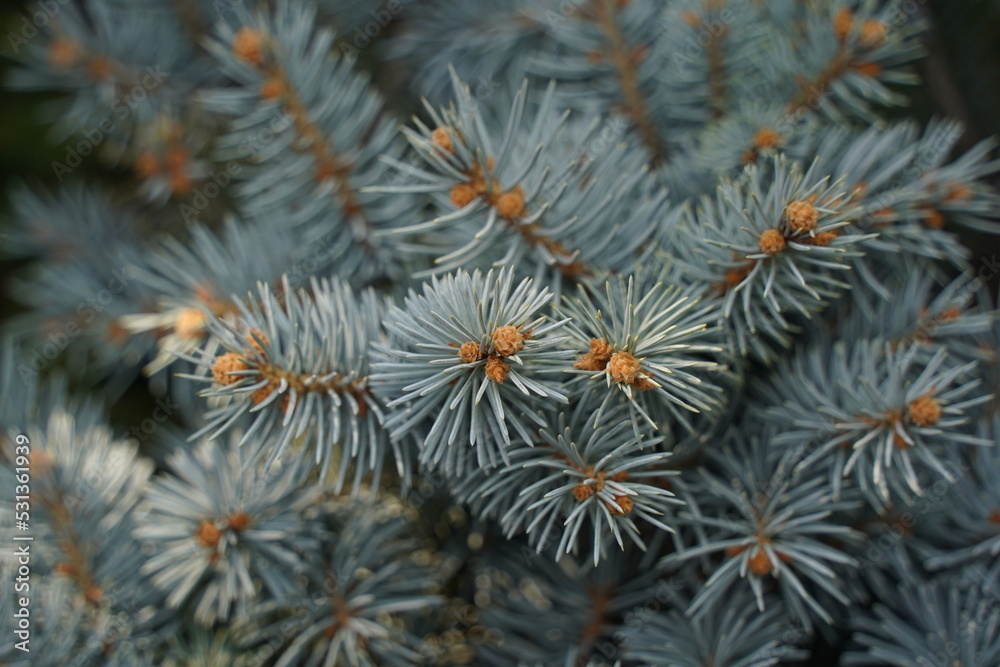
x=590, y=483
x=877, y=413
x=952, y=615
x=312, y=129
x=352, y=608
x=533, y=189
x=739, y=635
x=294, y=368
x=771, y=527
x=771, y=245
x=647, y=345
x=468, y=357
x=702, y=372
x=218, y=526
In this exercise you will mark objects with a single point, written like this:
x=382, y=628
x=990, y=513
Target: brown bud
x=273, y=88
x=823, y=239
x=190, y=323
x=843, y=21
x=625, y=503
x=760, y=564
x=925, y=411
x=63, y=53
x=147, y=164
x=801, y=217
x=441, y=138
x=767, y=138
x=239, y=521
x=623, y=367
x=510, y=204
x=496, y=369
x=583, y=491
x=463, y=194
x=469, y=352
x=248, y=45
x=253, y=337
x=771, y=241
x=225, y=364
x=873, y=32
x=934, y=219
x=208, y=534
x=507, y=340
x=868, y=69
x=261, y=394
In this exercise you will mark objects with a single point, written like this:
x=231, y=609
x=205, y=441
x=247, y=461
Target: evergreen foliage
x=652, y=338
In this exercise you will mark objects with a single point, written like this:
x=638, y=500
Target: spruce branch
x=654, y=342
x=739, y=635
x=459, y=150
x=542, y=199
x=260, y=51
x=623, y=57
x=923, y=312
x=591, y=483
x=297, y=367
x=467, y=358
x=772, y=527
x=79, y=287
x=771, y=245
x=352, y=607
x=876, y=412
x=293, y=94
x=223, y=533
x=118, y=74
x=966, y=530
x=581, y=605
x=853, y=55
x=918, y=621
x=703, y=368
x=195, y=281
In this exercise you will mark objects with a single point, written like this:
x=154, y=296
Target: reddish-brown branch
x=257, y=49
x=717, y=74
x=274, y=375
x=600, y=612
x=76, y=566
x=622, y=57
x=812, y=91
x=509, y=206
x=341, y=616
x=329, y=165
x=531, y=235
